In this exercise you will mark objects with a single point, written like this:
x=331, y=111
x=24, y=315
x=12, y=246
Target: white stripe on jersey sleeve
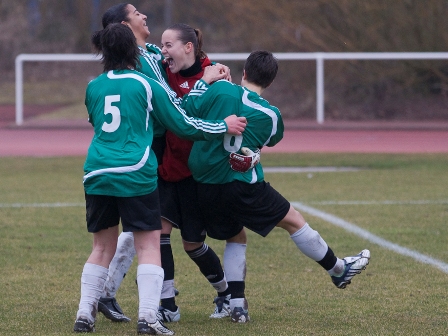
x=152, y=61
x=198, y=89
x=199, y=124
x=265, y=110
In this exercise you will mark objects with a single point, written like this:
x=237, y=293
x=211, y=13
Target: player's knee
x=189, y=246
x=293, y=221
x=167, y=227
x=240, y=238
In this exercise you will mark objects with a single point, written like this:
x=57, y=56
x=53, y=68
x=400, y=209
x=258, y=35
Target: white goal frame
x=319, y=57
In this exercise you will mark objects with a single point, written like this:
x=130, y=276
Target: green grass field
x=400, y=198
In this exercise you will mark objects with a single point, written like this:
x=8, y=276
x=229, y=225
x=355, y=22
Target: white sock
x=220, y=286
x=310, y=243
x=120, y=264
x=235, y=261
x=338, y=269
x=168, y=289
x=92, y=284
x=149, y=281
x=239, y=302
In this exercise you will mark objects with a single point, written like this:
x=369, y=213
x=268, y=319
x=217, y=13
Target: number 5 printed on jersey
x=114, y=111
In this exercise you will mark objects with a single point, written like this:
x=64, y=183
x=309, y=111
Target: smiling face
x=137, y=22
x=179, y=56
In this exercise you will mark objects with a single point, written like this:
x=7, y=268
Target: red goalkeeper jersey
x=174, y=166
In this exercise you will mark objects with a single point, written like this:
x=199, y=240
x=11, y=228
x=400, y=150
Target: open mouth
x=170, y=61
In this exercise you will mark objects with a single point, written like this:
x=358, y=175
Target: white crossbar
x=319, y=57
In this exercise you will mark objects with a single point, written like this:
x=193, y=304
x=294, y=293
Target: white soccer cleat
x=166, y=315
x=353, y=265
x=222, y=308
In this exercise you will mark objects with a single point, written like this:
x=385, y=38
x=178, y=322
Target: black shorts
x=235, y=205
x=179, y=205
x=140, y=213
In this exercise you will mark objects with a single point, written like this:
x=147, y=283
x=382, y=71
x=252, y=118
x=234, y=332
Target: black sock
x=329, y=260
x=169, y=304
x=236, y=289
x=168, y=268
x=208, y=263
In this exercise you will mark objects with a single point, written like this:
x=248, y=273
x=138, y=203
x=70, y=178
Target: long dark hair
x=115, y=14
x=188, y=34
x=118, y=47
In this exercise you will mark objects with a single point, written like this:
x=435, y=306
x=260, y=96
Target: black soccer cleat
x=82, y=325
x=112, y=310
x=156, y=328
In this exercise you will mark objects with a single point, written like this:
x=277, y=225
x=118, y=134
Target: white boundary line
x=309, y=169
x=314, y=212
x=386, y=202
x=371, y=237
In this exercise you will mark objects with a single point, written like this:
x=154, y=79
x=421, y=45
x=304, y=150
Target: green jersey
x=151, y=65
x=123, y=107
x=209, y=160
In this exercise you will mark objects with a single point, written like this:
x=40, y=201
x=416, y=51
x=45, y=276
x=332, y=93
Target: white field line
x=317, y=213
x=309, y=169
x=386, y=202
x=371, y=237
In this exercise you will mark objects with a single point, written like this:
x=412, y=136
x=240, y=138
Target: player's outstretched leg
x=353, y=265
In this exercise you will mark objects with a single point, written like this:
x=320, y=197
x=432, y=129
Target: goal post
x=319, y=57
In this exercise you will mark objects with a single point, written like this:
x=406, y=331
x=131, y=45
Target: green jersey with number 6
x=209, y=160
x=123, y=107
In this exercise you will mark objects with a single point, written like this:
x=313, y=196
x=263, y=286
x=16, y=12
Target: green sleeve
x=169, y=113
x=195, y=102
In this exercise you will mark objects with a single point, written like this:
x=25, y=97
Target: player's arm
x=170, y=114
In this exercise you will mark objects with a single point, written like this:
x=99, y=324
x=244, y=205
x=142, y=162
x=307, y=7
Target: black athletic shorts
x=231, y=206
x=179, y=205
x=140, y=213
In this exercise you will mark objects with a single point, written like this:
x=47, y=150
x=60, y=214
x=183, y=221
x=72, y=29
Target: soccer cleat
x=82, y=325
x=166, y=315
x=112, y=310
x=156, y=328
x=353, y=265
x=240, y=315
x=222, y=308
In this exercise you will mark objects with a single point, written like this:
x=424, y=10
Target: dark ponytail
x=96, y=41
x=118, y=47
x=199, y=51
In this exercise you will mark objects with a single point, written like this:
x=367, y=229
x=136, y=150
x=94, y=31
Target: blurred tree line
x=379, y=89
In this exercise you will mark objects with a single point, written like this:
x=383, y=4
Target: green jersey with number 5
x=123, y=107
x=209, y=160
